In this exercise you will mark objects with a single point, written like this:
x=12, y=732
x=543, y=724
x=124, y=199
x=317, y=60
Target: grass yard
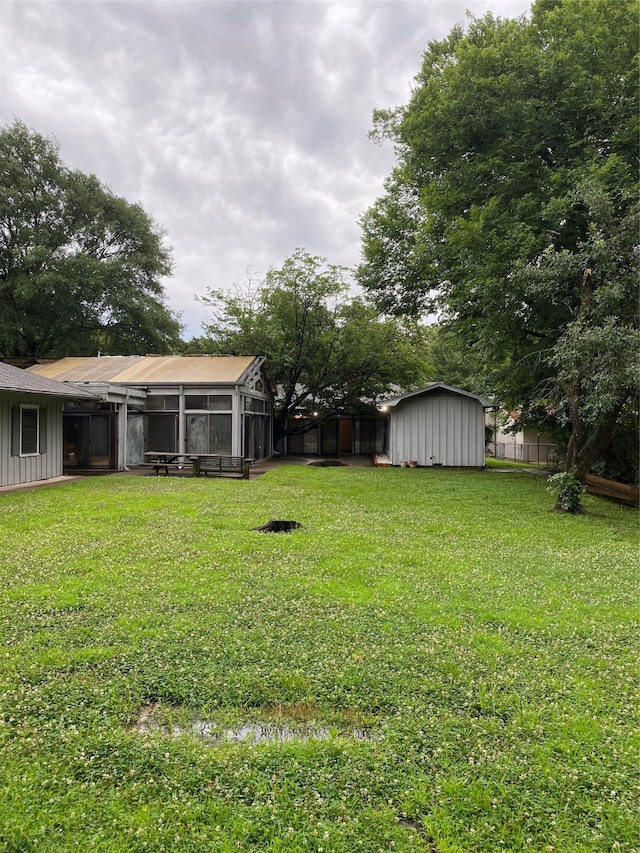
x=493, y=462
x=448, y=665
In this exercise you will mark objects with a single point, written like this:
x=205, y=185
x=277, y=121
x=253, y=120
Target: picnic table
x=158, y=459
x=200, y=463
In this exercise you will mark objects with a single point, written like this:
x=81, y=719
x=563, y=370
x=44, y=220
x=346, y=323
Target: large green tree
x=327, y=352
x=513, y=209
x=80, y=268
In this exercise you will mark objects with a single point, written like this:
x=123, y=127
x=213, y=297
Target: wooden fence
x=610, y=489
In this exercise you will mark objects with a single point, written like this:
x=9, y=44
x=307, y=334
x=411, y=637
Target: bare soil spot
x=278, y=526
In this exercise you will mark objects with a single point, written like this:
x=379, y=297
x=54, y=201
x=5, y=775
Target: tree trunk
x=596, y=442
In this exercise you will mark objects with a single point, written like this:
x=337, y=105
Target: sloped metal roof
x=204, y=369
x=21, y=381
x=149, y=370
x=433, y=388
x=82, y=369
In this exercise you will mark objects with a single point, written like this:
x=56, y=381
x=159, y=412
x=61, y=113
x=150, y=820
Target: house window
x=161, y=432
x=211, y=402
x=163, y=402
x=196, y=401
x=28, y=431
x=220, y=403
x=209, y=434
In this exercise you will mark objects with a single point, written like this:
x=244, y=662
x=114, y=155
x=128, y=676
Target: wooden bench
x=225, y=465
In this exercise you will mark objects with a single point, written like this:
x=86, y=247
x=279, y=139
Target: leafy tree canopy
x=327, y=352
x=513, y=209
x=448, y=360
x=80, y=268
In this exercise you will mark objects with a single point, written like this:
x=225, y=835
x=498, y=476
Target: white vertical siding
x=15, y=470
x=438, y=429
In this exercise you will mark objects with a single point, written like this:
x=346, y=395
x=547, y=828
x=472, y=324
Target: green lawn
x=493, y=462
x=482, y=646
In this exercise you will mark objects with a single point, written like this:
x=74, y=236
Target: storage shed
x=31, y=425
x=438, y=425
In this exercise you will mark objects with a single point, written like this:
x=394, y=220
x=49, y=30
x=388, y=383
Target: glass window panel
x=369, y=435
x=256, y=436
x=330, y=437
x=197, y=434
x=135, y=438
x=196, y=401
x=295, y=444
x=220, y=402
x=71, y=439
x=162, y=433
x=311, y=441
x=77, y=440
x=100, y=437
x=163, y=402
x=29, y=431
x=220, y=434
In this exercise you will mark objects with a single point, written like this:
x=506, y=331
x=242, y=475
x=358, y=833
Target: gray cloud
x=241, y=127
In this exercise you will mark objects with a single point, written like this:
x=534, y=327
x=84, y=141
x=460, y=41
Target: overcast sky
x=241, y=127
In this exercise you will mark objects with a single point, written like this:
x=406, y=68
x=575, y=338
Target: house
x=31, y=447
x=438, y=425
x=347, y=434
x=524, y=445
x=178, y=404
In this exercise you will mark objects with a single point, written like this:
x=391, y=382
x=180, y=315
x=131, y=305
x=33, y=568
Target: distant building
x=31, y=446
x=361, y=434
x=524, y=445
x=179, y=404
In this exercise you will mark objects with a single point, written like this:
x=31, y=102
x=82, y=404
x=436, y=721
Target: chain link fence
x=538, y=453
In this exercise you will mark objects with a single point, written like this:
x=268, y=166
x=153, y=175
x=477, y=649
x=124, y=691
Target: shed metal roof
x=433, y=388
x=149, y=370
x=17, y=380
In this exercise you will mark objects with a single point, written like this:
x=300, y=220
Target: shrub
x=569, y=490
